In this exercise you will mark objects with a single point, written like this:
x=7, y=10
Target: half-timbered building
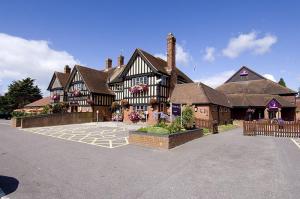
x=87, y=91
x=57, y=85
x=147, y=78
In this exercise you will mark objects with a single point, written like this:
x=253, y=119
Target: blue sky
x=37, y=37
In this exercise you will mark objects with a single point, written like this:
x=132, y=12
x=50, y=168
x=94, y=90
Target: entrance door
x=272, y=114
x=74, y=109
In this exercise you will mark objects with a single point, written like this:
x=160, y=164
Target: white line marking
x=298, y=145
x=4, y=123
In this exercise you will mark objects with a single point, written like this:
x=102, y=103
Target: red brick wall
x=163, y=142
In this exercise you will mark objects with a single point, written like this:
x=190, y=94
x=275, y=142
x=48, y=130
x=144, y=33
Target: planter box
x=163, y=141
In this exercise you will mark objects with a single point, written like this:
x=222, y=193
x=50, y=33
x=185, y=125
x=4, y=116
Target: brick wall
x=163, y=141
x=15, y=122
x=57, y=119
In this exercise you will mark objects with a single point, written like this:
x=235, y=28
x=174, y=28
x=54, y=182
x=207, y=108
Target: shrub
x=187, y=117
x=161, y=124
x=175, y=126
x=57, y=108
x=46, y=109
x=19, y=114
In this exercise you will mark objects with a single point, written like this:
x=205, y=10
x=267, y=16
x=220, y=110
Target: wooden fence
x=266, y=128
x=209, y=124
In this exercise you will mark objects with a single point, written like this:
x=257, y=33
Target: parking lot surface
x=104, y=134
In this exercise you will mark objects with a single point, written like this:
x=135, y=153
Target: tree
x=282, y=82
x=20, y=93
x=298, y=92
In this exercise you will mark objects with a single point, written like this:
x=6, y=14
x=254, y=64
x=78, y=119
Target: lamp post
x=97, y=116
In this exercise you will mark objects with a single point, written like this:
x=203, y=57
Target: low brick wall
x=16, y=122
x=163, y=141
x=57, y=119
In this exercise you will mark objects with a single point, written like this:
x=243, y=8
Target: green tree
x=282, y=82
x=20, y=93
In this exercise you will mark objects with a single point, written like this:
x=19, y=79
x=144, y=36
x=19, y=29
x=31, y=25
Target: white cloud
x=270, y=77
x=20, y=58
x=182, y=56
x=249, y=42
x=209, y=54
x=216, y=79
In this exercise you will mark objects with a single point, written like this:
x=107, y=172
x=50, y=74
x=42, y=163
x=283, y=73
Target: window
x=140, y=80
x=118, y=87
x=163, y=80
x=140, y=108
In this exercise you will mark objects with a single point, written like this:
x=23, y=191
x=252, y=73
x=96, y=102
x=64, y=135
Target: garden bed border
x=163, y=141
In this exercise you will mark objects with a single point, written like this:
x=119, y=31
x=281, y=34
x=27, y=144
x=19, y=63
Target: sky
x=214, y=38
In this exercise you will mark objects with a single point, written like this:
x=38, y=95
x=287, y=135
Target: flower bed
x=163, y=141
x=138, y=88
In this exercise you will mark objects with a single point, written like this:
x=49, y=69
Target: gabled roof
x=114, y=74
x=198, y=93
x=39, y=103
x=263, y=86
x=156, y=64
x=256, y=100
x=62, y=78
x=246, y=72
x=95, y=80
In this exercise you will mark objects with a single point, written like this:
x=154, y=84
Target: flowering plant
x=76, y=93
x=139, y=88
x=134, y=116
x=55, y=97
x=117, y=117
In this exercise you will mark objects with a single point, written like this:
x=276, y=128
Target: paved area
x=226, y=165
x=104, y=134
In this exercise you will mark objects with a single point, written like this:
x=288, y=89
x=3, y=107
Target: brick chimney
x=120, y=60
x=171, y=62
x=108, y=64
x=67, y=69
x=171, y=52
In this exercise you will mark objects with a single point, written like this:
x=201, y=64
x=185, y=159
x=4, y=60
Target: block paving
x=102, y=134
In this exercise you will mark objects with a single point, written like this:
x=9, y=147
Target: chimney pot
x=120, y=60
x=67, y=69
x=108, y=64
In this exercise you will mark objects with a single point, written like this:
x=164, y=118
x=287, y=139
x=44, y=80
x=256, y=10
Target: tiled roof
x=258, y=100
x=161, y=65
x=95, y=80
x=62, y=77
x=39, y=103
x=198, y=93
x=263, y=86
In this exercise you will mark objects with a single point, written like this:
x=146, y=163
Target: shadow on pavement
x=8, y=185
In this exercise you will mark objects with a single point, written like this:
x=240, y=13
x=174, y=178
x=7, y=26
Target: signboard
x=243, y=73
x=176, y=109
x=274, y=104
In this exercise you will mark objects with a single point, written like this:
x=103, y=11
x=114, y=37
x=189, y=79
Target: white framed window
x=139, y=108
x=140, y=80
